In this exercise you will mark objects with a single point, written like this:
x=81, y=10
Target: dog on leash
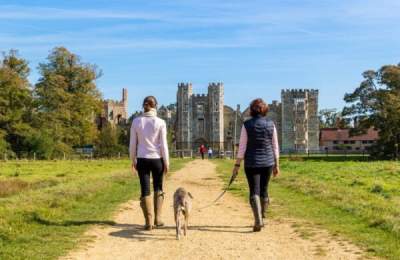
x=182, y=208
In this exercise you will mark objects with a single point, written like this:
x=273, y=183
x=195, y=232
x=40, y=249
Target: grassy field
x=45, y=206
x=357, y=200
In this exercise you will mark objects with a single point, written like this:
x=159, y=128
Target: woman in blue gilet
x=259, y=149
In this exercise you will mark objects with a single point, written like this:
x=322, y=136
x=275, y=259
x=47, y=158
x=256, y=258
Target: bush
x=107, y=144
x=3, y=146
x=42, y=144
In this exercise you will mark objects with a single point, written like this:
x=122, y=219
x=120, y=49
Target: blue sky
x=255, y=47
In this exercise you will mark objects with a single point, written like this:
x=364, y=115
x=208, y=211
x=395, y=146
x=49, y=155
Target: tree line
x=57, y=113
x=375, y=103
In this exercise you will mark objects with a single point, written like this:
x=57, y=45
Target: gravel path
x=219, y=232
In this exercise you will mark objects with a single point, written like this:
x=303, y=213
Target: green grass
x=357, y=200
x=45, y=206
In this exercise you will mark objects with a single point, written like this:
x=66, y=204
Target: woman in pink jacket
x=149, y=154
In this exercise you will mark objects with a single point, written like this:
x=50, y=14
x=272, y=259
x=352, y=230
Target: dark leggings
x=156, y=168
x=258, y=179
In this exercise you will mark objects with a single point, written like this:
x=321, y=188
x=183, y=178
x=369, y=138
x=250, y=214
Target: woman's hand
x=276, y=171
x=235, y=170
x=166, y=169
x=134, y=168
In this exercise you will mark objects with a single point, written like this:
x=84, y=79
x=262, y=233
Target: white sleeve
x=164, y=144
x=275, y=144
x=133, y=143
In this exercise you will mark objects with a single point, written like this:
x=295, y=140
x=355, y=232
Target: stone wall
x=204, y=119
x=300, y=126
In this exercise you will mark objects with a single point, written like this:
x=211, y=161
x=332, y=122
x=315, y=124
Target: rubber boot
x=158, y=203
x=256, y=207
x=145, y=204
x=264, y=206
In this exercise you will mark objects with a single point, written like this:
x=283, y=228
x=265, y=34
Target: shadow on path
x=34, y=217
x=137, y=232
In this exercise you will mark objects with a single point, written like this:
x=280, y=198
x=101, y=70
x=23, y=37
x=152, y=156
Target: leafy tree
x=108, y=143
x=67, y=99
x=4, y=146
x=124, y=131
x=15, y=102
x=376, y=103
x=41, y=143
x=331, y=118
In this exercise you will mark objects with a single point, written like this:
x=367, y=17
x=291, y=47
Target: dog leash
x=233, y=177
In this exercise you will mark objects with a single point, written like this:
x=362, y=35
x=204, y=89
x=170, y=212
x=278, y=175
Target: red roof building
x=335, y=139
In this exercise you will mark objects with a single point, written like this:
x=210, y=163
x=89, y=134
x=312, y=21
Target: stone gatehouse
x=204, y=119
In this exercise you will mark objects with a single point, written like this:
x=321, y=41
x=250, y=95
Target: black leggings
x=258, y=179
x=156, y=168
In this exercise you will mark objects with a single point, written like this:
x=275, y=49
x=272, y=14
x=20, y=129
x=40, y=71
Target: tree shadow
x=330, y=158
x=34, y=217
x=223, y=229
x=136, y=232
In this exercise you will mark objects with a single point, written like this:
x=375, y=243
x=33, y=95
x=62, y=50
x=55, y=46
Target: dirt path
x=219, y=232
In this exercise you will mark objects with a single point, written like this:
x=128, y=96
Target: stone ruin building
x=114, y=112
x=300, y=123
x=204, y=119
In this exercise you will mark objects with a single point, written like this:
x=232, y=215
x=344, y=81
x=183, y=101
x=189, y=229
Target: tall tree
x=108, y=143
x=15, y=102
x=67, y=99
x=376, y=103
x=331, y=118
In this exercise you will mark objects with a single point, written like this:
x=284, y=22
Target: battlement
x=299, y=91
x=275, y=103
x=215, y=85
x=184, y=85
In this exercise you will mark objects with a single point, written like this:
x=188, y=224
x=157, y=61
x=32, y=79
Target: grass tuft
x=13, y=186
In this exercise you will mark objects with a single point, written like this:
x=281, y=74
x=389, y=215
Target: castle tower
x=300, y=127
x=216, y=115
x=184, y=116
x=124, y=95
x=313, y=120
x=125, y=101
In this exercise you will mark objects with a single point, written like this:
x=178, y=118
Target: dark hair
x=258, y=107
x=149, y=103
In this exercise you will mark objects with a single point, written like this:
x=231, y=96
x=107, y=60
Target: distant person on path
x=202, y=150
x=210, y=153
x=260, y=150
x=149, y=154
